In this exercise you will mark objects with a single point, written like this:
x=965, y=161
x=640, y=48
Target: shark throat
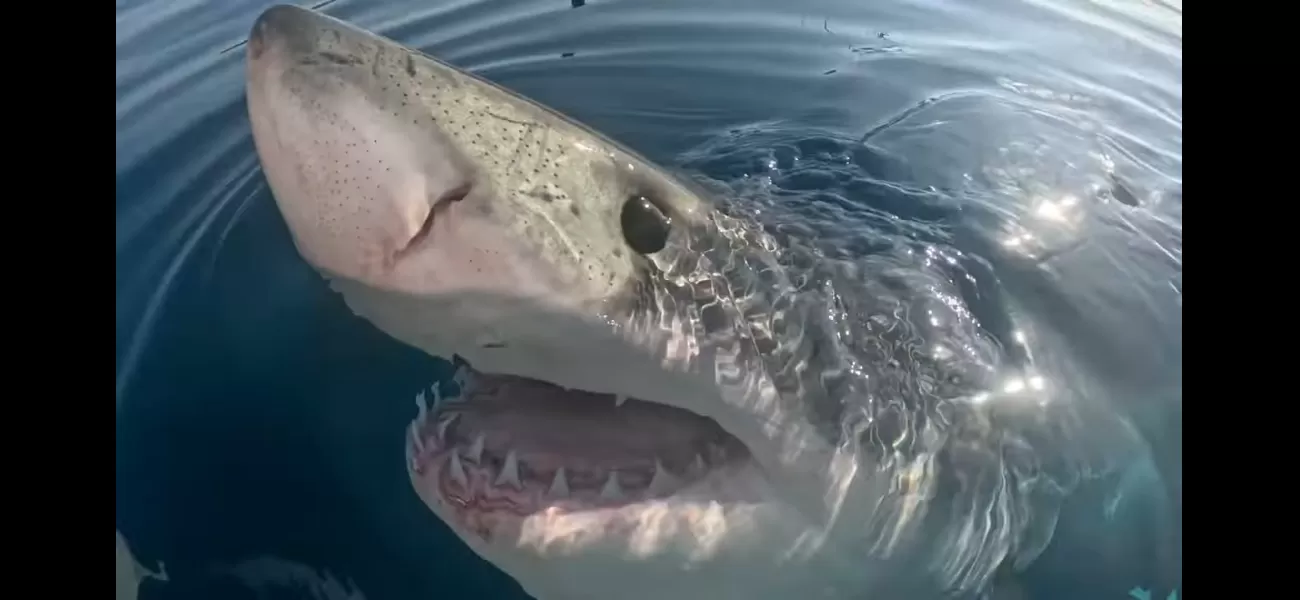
x=509, y=448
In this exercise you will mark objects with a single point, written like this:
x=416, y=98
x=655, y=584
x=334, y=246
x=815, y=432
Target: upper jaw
x=785, y=447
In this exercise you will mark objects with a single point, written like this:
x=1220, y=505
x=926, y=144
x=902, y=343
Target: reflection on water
x=1029, y=151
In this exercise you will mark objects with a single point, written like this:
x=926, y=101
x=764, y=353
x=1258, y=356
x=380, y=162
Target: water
x=257, y=434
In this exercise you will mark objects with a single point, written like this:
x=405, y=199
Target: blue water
x=257, y=418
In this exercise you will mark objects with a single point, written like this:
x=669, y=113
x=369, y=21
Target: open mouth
x=509, y=447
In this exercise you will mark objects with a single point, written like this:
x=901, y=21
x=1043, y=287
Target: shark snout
x=283, y=25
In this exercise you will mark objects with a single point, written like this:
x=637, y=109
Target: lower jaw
x=487, y=512
x=695, y=523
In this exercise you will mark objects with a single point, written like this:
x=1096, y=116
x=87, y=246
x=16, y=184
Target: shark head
x=634, y=414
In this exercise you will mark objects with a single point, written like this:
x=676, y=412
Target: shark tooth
x=475, y=452
x=421, y=409
x=611, y=489
x=619, y=399
x=436, y=391
x=559, y=485
x=457, y=470
x=464, y=380
x=663, y=481
x=444, y=424
x=510, y=472
x=698, y=465
x=417, y=440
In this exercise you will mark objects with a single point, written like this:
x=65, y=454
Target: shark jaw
x=524, y=463
x=579, y=494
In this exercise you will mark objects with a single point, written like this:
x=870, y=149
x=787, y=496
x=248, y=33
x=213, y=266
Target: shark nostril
x=456, y=194
x=439, y=205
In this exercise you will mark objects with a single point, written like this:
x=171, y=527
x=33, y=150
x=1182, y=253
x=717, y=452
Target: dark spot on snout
x=340, y=59
x=494, y=345
x=543, y=194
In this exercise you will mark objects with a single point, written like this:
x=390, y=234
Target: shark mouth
x=511, y=447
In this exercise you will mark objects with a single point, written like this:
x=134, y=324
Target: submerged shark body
x=657, y=399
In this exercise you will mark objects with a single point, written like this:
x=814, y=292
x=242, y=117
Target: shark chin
x=654, y=398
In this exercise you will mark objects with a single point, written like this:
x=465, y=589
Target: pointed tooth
x=619, y=399
x=510, y=472
x=417, y=439
x=464, y=380
x=444, y=424
x=436, y=391
x=663, y=481
x=611, y=490
x=421, y=409
x=698, y=465
x=559, y=485
x=475, y=452
x=458, y=471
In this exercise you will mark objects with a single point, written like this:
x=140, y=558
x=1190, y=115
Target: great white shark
x=656, y=398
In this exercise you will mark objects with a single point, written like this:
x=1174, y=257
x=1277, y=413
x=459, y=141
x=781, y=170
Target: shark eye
x=645, y=227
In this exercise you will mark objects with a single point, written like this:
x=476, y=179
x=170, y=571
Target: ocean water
x=259, y=425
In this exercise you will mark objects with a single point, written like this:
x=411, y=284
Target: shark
x=656, y=395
